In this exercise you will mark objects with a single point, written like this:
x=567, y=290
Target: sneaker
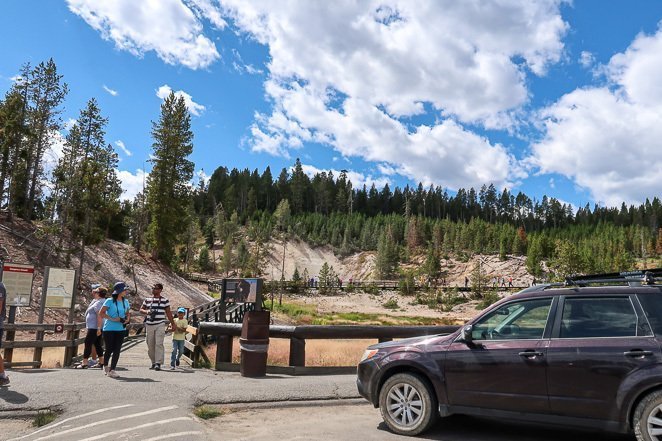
x=106, y=369
x=113, y=374
x=153, y=366
x=92, y=363
x=172, y=368
x=4, y=381
x=157, y=367
x=177, y=362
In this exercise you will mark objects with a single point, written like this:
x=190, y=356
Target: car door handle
x=637, y=353
x=531, y=354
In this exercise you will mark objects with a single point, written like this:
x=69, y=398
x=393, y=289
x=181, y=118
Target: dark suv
x=574, y=354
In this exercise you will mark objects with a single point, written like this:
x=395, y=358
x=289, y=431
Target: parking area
x=362, y=422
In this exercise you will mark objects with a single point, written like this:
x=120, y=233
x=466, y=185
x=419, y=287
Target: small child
x=178, y=338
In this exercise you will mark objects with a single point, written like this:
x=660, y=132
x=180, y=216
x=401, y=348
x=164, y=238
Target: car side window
x=600, y=317
x=523, y=320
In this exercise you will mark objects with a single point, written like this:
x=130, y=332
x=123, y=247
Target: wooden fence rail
x=225, y=332
x=71, y=340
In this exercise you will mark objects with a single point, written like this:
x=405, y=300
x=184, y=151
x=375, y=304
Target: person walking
x=156, y=308
x=178, y=338
x=4, y=379
x=115, y=314
x=93, y=338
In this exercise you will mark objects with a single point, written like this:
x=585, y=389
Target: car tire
x=648, y=416
x=408, y=404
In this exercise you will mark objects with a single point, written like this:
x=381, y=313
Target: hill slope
x=106, y=263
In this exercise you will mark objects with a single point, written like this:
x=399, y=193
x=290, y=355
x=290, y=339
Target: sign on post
x=242, y=291
x=60, y=287
x=17, y=278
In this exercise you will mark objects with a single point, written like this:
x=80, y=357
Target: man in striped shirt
x=156, y=308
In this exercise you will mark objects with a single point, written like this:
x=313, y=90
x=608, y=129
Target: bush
x=489, y=298
x=407, y=284
x=391, y=304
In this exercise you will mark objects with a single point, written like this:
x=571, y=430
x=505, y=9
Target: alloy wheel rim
x=655, y=424
x=405, y=405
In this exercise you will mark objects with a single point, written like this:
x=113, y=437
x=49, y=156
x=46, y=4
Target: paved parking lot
x=362, y=422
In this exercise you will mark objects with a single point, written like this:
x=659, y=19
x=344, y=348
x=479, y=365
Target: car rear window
x=598, y=317
x=652, y=304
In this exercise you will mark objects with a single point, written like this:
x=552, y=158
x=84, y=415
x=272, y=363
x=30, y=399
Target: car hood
x=415, y=341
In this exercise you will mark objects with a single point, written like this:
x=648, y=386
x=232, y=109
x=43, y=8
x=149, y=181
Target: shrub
x=489, y=298
x=391, y=304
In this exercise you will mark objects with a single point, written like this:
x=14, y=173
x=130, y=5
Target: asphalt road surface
x=362, y=422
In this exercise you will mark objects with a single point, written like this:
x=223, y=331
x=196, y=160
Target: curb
x=317, y=402
x=27, y=413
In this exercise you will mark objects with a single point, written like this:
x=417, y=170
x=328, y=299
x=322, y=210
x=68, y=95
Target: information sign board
x=60, y=287
x=18, y=278
x=242, y=290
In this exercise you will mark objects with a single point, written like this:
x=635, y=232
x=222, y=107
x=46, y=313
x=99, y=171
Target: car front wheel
x=407, y=404
x=647, y=420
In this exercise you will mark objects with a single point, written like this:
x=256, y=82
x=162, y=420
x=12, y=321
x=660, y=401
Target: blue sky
x=546, y=97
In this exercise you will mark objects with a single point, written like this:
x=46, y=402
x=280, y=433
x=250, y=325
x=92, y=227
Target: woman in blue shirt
x=116, y=314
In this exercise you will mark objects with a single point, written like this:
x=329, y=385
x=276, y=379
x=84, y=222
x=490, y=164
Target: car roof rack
x=631, y=278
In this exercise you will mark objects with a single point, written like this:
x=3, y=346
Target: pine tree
x=203, y=258
x=12, y=129
x=87, y=188
x=387, y=256
x=168, y=193
x=534, y=257
x=432, y=266
x=47, y=93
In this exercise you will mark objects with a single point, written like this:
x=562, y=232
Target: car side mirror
x=467, y=333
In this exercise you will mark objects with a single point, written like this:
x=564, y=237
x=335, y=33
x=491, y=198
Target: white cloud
x=171, y=28
x=119, y=143
x=207, y=9
x=132, y=183
x=193, y=107
x=69, y=123
x=240, y=66
x=358, y=179
x=607, y=138
x=109, y=90
x=586, y=59
x=54, y=151
x=362, y=66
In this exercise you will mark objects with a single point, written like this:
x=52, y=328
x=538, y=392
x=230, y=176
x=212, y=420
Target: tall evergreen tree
x=168, y=193
x=87, y=189
x=47, y=93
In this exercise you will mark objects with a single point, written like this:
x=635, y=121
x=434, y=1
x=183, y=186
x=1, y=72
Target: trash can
x=254, y=344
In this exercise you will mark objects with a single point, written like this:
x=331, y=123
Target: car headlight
x=369, y=353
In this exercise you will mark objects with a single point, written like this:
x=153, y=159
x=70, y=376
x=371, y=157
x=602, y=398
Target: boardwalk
x=134, y=352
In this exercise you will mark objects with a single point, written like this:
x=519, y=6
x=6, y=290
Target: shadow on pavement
x=463, y=428
x=136, y=380
x=12, y=397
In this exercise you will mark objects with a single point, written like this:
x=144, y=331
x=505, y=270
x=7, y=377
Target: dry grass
x=50, y=357
x=318, y=352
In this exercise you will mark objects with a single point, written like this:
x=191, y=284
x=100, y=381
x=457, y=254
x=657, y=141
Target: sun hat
x=119, y=287
x=182, y=309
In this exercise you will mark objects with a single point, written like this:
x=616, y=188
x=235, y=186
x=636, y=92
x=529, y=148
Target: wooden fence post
x=297, y=352
x=9, y=353
x=224, y=349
